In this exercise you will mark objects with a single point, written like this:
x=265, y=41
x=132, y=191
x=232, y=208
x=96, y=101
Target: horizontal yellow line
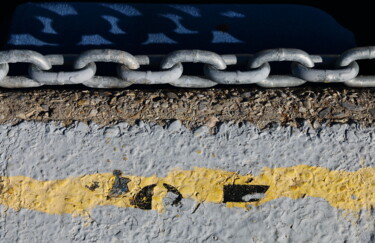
x=77, y=195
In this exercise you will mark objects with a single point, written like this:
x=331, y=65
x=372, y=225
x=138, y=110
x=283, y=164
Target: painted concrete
x=49, y=151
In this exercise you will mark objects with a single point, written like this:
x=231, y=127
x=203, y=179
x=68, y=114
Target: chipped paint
x=345, y=190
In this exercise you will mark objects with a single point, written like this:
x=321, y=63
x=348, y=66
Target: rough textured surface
x=283, y=220
x=192, y=107
x=49, y=151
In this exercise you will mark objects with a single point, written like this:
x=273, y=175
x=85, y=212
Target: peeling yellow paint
x=342, y=189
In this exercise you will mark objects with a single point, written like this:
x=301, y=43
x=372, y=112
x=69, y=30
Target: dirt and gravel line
x=193, y=107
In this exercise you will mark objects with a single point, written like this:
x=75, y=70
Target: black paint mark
x=120, y=185
x=143, y=199
x=235, y=193
x=1, y=184
x=93, y=186
x=174, y=190
x=117, y=173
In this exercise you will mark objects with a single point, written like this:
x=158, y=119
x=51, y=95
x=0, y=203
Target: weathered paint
x=49, y=151
x=77, y=195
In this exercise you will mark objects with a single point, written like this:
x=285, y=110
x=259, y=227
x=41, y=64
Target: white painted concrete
x=50, y=151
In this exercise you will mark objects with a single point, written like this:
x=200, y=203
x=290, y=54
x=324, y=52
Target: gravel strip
x=193, y=107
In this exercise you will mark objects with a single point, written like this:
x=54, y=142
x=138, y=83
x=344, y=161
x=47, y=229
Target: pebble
x=372, y=112
x=93, y=112
x=351, y=107
x=316, y=125
x=323, y=113
x=82, y=128
x=246, y=95
x=112, y=132
x=44, y=107
x=202, y=106
x=211, y=122
x=175, y=126
x=200, y=131
x=172, y=95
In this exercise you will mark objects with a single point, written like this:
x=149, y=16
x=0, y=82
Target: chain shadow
x=162, y=28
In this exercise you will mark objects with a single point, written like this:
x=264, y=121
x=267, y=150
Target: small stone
x=82, y=128
x=302, y=110
x=218, y=107
x=180, y=110
x=223, y=127
x=316, y=124
x=113, y=101
x=112, y=132
x=28, y=115
x=93, y=113
x=338, y=115
x=21, y=116
x=372, y=112
x=83, y=102
x=165, y=105
x=211, y=122
x=351, y=107
x=323, y=113
x=202, y=106
x=44, y=107
x=11, y=133
x=175, y=126
x=200, y=131
x=172, y=95
x=246, y=95
x=95, y=100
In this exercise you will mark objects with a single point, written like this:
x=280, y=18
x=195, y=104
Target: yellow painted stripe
x=77, y=195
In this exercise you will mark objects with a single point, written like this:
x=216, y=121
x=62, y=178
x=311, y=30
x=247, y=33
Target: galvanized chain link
x=349, y=57
x=217, y=69
x=194, y=56
x=24, y=56
x=79, y=76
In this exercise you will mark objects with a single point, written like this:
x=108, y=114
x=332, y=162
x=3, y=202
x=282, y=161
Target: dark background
x=356, y=16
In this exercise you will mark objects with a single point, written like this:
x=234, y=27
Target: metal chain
x=169, y=68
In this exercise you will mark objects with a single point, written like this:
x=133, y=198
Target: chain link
x=23, y=56
x=217, y=69
x=282, y=55
x=194, y=56
x=150, y=77
x=338, y=75
x=253, y=75
x=355, y=54
x=60, y=78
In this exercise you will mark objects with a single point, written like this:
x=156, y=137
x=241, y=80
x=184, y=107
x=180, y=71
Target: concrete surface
x=49, y=151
